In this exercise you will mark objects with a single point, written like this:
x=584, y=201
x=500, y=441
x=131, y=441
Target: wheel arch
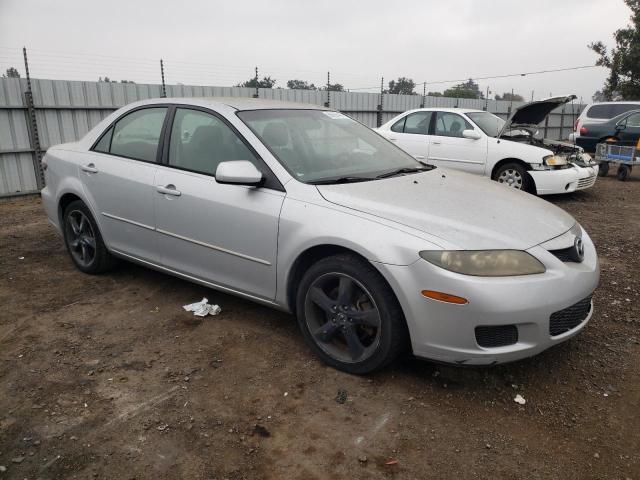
x=65, y=200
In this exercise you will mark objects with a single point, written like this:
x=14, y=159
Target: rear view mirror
x=472, y=134
x=239, y=172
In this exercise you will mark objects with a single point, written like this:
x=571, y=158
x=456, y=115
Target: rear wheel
x=514, y=175
x=83, y=240
x=349, y=315
x=623, y=172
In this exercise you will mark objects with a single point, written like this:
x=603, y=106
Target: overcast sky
x=220, y=42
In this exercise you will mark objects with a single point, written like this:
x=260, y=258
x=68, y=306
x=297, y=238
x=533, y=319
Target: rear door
x=224, y=234
x=410, y=134
x=118, y=179
x=448, y=148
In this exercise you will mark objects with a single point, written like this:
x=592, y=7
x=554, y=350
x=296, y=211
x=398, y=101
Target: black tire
x=83, y=240
x=623, y=172
x=337, y=346
x=514, y=175
x=604, y=169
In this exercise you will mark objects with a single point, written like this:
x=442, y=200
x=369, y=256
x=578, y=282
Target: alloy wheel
x=342, y=317
x=512, y=178
x=81, y=238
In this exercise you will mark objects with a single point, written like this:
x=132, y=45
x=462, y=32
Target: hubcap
x=81, y=238
x=511, y=178
x=342, y=317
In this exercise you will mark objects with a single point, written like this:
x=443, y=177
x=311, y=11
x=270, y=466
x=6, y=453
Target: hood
x=531, y=114
x=470, y=212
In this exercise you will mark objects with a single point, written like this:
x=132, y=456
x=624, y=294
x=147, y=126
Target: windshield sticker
x=336, y=116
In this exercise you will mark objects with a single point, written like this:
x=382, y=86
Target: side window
x=418, y=123
x=450, y=124
x=398, y=127
x=137, y=135
x=105, y=142
x=633, y=120
x=200, y=141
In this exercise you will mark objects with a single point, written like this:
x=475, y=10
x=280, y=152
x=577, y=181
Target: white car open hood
x=471, y=212
x=532, y=113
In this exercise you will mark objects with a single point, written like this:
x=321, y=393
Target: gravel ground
x=107, y=377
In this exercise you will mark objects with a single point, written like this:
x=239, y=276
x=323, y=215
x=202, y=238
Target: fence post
x=164, y=89
x=32, y=124
x=257, y=94
x=379, y=113
x=424, y=95
x=546, y=126
x=328, y=102
x=561, y=123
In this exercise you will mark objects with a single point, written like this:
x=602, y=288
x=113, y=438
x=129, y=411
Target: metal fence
x=48, y=112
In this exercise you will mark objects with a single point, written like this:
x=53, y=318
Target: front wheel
x=515, y=176
x=349, y=315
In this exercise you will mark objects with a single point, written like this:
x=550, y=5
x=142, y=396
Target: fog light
x=444, y=297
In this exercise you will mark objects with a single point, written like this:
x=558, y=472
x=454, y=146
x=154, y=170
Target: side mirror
x=621, y=126
x=239, y=172
x=472, y=134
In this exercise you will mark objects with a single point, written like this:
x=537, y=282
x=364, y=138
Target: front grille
x=586, y=182
x=564, y=254
x=498, y=336
x=570, y=317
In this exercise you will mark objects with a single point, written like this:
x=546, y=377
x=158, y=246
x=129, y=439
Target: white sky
x=220, y=42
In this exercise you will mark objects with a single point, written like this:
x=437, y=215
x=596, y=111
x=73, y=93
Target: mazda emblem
x=578, y=250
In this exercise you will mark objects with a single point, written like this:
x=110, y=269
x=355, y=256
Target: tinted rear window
x=608, y=111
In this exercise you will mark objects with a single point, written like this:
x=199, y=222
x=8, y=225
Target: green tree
x=402, y=86
x=623, y=61
x=300, y=85
x=434, y=94
x=11, y=73
x=468, y=89
x=127, y=81
x=513, y=97
x=334, y=87
x=266, y=82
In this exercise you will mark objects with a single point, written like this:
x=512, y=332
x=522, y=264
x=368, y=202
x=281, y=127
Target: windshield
x=488, y=122
x=319, y=146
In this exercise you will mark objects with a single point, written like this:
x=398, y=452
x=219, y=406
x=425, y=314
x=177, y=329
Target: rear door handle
x=435, y=142
x=169, y=190
x=393, y=139
x=419, y=157
x=91, y=168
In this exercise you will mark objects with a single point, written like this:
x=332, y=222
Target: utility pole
x=424, y=95
x=328, y=102
x=379, y=115
x=164, y=89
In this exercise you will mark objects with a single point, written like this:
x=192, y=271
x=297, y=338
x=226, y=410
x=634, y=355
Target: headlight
x=554, y=160
x=485, y=263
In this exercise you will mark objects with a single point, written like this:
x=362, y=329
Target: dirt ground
x=107, y=377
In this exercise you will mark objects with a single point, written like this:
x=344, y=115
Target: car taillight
x=583, y=131
x=575, y=125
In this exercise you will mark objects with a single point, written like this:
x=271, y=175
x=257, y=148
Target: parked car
x=599, y=113
x=621, y=130
x=308, y=211
x=509, y=152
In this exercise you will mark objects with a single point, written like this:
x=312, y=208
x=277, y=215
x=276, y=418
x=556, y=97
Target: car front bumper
x=446, y=332
x=567, y=180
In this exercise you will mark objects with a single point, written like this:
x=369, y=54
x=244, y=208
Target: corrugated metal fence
x=66, y=110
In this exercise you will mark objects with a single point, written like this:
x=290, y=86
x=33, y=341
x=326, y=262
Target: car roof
x=446, y=109
x=239, y=103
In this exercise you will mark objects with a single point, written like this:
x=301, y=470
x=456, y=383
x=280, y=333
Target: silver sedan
x=306, y=210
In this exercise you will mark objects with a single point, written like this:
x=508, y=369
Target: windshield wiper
x=400, y=171
x=331, y=181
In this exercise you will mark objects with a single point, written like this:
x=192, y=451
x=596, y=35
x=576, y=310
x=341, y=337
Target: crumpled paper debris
x=520, y=399
x=202, y=308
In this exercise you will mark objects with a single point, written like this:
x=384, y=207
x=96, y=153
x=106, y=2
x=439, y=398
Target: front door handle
x=91, y=168
x=436, y=142
x=393, y=139
x=169, y=190
x=419, y=157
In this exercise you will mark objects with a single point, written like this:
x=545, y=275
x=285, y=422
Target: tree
x=434, y=94
x=598, y=96
x=300, y=85
x=334, y=87
x=127, y=81
x=266, y=82
x=468, y=89
x=11, y=73
x=511, y=97
x=403, y=86
x=623, y=61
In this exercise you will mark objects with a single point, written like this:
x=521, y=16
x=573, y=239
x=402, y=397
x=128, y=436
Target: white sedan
x=479, y=142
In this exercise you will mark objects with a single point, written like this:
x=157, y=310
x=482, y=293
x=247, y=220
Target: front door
x=448, y=148
x=630, y=135
x=223, y=234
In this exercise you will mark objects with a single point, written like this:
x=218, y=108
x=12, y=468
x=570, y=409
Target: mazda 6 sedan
x=308, y=211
